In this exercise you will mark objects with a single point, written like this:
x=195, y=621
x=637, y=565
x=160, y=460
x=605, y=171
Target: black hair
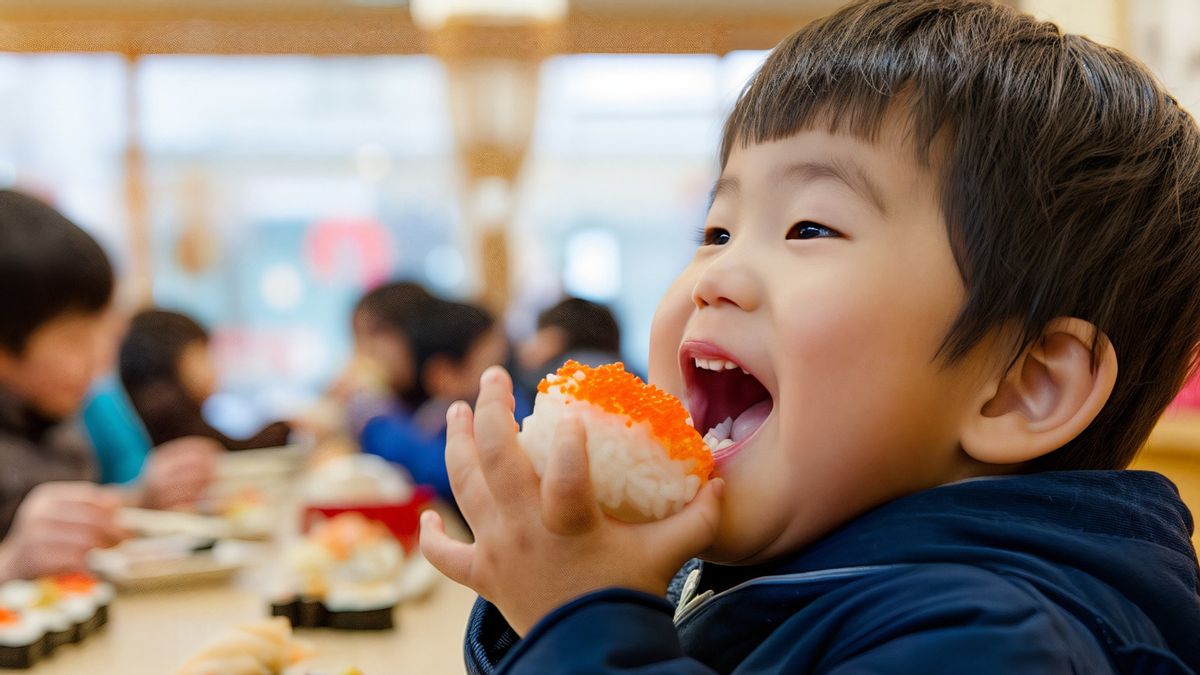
x=153, y=346
x=394, y=304
x=48, y=267
x=587, y=325
x=1069, y=180
x=444, y=329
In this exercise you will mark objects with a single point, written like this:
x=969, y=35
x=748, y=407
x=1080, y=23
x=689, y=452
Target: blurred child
x=939, y=227
x=452, y=344
x=573, y=329
x=167, y=369
x=381, y=376
x=55, y=339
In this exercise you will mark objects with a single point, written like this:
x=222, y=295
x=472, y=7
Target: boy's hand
x=177, y=472
x=56, y=525
x=539, y=544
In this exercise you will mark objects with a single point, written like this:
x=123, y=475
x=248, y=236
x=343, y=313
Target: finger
x=451, y=557
x=64, y=491
x=200, y=467
x=508, y=472
x=67, y=546
x=108, y=499
x=59, y=562
x=81, y=513
x=83, y=528
x=568, y=501
x=462, y=465
x=687, y=533
x=193, y=465
x=93, y=511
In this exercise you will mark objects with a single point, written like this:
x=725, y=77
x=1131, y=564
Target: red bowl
x=403, y=520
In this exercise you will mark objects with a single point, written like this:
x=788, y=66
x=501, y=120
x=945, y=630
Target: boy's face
x=826, y=273
x=450, y=380
x=197, y=373
x=60, y=360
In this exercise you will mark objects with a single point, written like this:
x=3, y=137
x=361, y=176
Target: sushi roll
x=60, y=629
x=39, y=600
x=266, y=647
x=361, y=606
x=345, y=574
x=646, y=460
x=22, y=639
x=84, y=599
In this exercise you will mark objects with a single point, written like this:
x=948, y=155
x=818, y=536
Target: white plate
x=167, y=562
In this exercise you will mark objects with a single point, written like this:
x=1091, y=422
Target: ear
x=1048, y=397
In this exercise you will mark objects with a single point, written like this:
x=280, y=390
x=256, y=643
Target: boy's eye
x=807, y=229
x=714, y=236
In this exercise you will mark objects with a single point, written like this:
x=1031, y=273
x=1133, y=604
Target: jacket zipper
x=690, y=603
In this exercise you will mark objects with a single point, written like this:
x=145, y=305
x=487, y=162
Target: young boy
x=167, y=369
x=574, y=328
x=56, y=337
x=940, y=227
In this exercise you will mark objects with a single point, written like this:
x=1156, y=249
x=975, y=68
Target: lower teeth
x=716, y=444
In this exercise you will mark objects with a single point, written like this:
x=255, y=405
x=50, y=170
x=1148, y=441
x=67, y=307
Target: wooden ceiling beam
x=364, y=31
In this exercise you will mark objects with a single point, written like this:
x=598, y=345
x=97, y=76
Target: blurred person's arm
x=176, y=474
x=169, y=415
x=54, y=528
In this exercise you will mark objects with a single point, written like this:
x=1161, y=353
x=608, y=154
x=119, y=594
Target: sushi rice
x=645, y=459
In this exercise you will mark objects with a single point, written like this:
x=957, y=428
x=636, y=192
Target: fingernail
x=457, y=409
x=718, y=488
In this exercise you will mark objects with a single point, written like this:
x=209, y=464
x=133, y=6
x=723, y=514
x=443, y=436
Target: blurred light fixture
x=492, y=52
x=432, y=15
x=592, y=265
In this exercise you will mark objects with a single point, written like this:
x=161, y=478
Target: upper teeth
x=716, y=364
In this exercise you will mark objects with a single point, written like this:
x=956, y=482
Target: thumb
x=687, y=533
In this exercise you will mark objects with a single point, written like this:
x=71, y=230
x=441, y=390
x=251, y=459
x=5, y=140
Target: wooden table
x=151, y=633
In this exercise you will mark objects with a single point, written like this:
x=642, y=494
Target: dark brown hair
x=153, y=346
x=49, y=267
x=1070, y=180
x=585, y=324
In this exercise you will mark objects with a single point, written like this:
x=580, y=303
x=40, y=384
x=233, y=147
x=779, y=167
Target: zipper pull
x=687, y=597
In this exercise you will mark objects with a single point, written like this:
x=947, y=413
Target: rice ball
x=646, y=460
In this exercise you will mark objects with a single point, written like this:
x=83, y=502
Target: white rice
x=633, y=476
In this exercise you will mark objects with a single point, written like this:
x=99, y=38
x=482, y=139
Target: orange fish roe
x=7, y=616
x=611, y=388
x=74, y=583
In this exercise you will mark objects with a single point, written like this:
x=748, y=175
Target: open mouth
x=727, y=403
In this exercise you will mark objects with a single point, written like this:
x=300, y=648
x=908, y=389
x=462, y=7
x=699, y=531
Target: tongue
x=751, y=419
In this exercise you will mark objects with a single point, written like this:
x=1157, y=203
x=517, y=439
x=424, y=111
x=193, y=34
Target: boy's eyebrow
x=845, y=172
x=723, y=186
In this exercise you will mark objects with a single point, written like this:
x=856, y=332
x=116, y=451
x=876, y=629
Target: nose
x=730, y=279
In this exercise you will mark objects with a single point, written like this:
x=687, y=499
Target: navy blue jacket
x=1088, y=572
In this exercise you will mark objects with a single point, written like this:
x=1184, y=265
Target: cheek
x=59, y=385
x=862, y=385
x=666, y=333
